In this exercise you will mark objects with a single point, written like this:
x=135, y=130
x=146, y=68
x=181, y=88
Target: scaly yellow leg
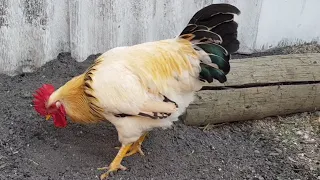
x=116, y=163
x=136, y=146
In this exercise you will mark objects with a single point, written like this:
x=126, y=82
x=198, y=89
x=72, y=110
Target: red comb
x=41, y=97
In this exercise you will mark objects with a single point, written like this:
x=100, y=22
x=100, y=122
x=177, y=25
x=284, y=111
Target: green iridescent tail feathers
x=213, y=33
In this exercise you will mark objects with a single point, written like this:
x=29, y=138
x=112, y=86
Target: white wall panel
x=33, y=32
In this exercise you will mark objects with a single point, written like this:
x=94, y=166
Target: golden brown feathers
x=157, y=62
x=93, y=102
x=76, y=101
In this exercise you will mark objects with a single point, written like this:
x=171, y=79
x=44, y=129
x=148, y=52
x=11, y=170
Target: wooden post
x=260, y=87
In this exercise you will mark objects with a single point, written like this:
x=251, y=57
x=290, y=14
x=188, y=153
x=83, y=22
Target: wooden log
x=252, y=103
x=260, y=87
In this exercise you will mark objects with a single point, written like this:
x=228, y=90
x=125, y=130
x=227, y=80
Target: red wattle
x=59, y=118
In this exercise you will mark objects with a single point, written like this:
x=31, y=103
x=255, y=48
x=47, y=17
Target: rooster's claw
x=111, y=170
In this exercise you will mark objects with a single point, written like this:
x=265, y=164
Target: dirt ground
x=280, y=148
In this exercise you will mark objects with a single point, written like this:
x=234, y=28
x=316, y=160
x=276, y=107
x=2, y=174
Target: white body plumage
x=124, y=81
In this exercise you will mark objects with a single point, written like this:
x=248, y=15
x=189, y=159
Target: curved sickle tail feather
x=213, y=33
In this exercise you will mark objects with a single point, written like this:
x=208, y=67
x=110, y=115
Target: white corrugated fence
x=33, y=32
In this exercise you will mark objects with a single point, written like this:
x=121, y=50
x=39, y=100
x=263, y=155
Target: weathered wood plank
x=32, y=33
x=273, y=69
x=97, y=26
x=252, y=103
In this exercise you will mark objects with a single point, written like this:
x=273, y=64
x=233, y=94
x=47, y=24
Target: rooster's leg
x=116, y=163
x=136, y=146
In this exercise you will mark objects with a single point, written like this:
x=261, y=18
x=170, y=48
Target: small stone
x=291, y=159
x=252, y=169
x=256, y=151
x=15, y=152
x=147, y=166
x=301, y=154
x=26, y=95
x=11, y=131
x=258, y=177
x=3, y=165
x=269, y=163
x=180, y=137
x=306, y=136
x=310, y=141
x=55, y=145
x=274, y=154
x=299, y=132
x=278, y=150
x=219, y=169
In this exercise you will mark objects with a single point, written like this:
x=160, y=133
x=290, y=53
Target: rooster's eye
x=58, y=104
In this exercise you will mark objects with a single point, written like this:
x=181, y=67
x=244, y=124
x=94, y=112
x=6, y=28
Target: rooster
x=145, y=86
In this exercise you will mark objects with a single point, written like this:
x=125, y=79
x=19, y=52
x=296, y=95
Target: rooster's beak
x=48, y=117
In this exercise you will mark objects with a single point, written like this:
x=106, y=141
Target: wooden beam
x=273, y=69
x=260, y=87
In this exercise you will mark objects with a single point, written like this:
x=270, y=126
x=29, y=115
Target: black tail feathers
x=213, y=32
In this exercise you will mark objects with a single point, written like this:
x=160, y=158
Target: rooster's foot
x=136, y=146
x=116, y=163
